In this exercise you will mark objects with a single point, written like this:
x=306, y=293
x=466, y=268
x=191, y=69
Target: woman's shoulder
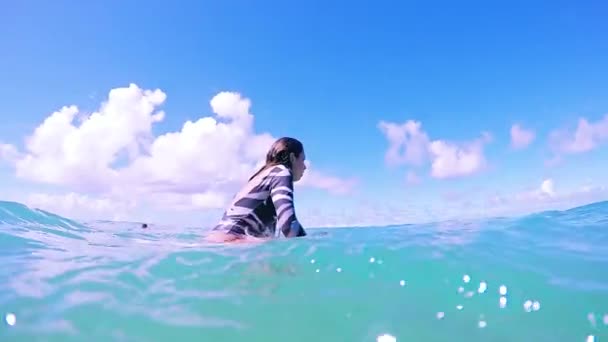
x=280, y=175
x=279, y=171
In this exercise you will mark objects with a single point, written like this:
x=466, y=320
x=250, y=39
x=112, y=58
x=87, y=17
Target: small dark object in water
x=144, y=226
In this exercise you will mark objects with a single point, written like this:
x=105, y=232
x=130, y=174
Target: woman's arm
x=281, y=192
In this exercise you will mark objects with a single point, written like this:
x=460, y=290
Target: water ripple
x=103, y=280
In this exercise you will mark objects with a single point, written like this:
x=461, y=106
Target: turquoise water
x=62, y=280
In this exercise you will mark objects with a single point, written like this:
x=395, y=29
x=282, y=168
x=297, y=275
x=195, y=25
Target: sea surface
x=540, y=277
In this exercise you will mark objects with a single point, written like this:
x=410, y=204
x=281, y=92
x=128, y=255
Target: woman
x=264, y=207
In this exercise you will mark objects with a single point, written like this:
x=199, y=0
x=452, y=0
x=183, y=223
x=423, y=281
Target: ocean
x=539, y=277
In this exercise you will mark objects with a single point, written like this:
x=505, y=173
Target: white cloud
x=547, y=187
x=409, y=144
x=545, y=191
x=332, y=184
x=520, y=137
x=455, y=160
x=114, y=153
x=8, y=153
x=546, y=196
x=60, y=152
x=586, y=137
x=81, y=206
x=175, y=201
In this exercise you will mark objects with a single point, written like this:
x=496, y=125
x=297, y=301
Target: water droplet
x=605, y=319
x=528, y=305
x=461, y=289
x=502, y=302
x=502, y=290
x=482, y=324
x=317, y=270
x=459, y=307
x=372, y=259
x=536, y=305
x=466, y=278
x=312, y=261
x=402, y=283
x=338, y=270
x=386, y=338
x=482, y=287
x=590, y=338
x=591, y=318
x=440, y=315
x=469, y=294
x=11, y=319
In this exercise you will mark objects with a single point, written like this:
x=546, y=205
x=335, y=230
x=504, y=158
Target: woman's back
x=264, y=204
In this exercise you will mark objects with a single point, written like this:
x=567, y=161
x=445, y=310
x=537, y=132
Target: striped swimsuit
x=263, y=206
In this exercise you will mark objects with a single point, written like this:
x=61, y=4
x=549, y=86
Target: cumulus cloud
x=546, y=195
x=331, y=184
x=456, y=160
x=521, y=137
x=409, y=144
x=8, y=153
x=545, y=191
x=176, y=201
x=547, y=187
x=82, y=156
x=586, y=137
x=83, y=206
x=114, y=152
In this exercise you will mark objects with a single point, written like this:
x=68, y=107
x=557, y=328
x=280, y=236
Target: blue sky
x=328, y=74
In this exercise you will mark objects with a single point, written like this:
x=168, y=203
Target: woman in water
x=264, y=207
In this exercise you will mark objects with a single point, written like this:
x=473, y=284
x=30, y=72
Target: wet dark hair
x=279, y=153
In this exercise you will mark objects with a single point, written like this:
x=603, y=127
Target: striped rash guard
x=264, y=205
